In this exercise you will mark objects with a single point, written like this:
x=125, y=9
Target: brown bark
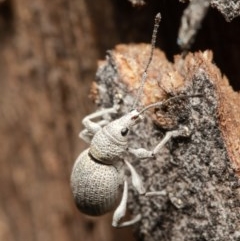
x=47, y=61
x=48, y=56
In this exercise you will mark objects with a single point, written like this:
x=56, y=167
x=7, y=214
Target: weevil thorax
x=109, y=144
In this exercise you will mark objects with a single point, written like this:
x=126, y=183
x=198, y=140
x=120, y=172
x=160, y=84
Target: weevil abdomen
x=94, y=185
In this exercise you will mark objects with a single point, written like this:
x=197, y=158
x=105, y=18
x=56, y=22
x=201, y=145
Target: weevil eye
x=135, y=117
x=124, y=131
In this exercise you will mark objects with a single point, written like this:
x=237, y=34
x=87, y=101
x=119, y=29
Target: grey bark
x=49, y=51
x=230, y=9
x=203, y=189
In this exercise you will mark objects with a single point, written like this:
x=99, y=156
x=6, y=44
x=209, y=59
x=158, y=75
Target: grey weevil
x=98, y=171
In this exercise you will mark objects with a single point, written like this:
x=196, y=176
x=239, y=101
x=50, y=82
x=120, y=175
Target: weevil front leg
x=92, y=127
x=143, y=153
x=87, y=136
x=121, y=211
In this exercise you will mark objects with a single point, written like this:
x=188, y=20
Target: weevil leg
x=138, y=184
x=87, y=136
x=121, y=211
x=142, y=153
x=136, y=179
x=103, y=122
x=156, y=193
x=92, y=127
x=184, y=131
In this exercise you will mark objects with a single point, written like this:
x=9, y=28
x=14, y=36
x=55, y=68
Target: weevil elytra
x=98, y=173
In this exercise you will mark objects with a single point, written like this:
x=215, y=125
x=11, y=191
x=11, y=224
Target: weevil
x=98, y=171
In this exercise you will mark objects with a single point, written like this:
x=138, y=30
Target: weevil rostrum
x=98, y=171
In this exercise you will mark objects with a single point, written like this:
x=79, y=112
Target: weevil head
x=109, y=144
x=120, y=128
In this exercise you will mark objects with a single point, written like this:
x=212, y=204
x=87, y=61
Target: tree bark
x=47, y=61
x=199, y=173
x=48, y=58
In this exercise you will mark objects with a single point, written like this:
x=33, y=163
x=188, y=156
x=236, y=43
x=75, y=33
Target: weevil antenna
x=168, y=100
x=144, y=75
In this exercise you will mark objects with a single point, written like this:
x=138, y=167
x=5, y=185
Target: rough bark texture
x=230, y=9
x=199, y=172
x=48, y=57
